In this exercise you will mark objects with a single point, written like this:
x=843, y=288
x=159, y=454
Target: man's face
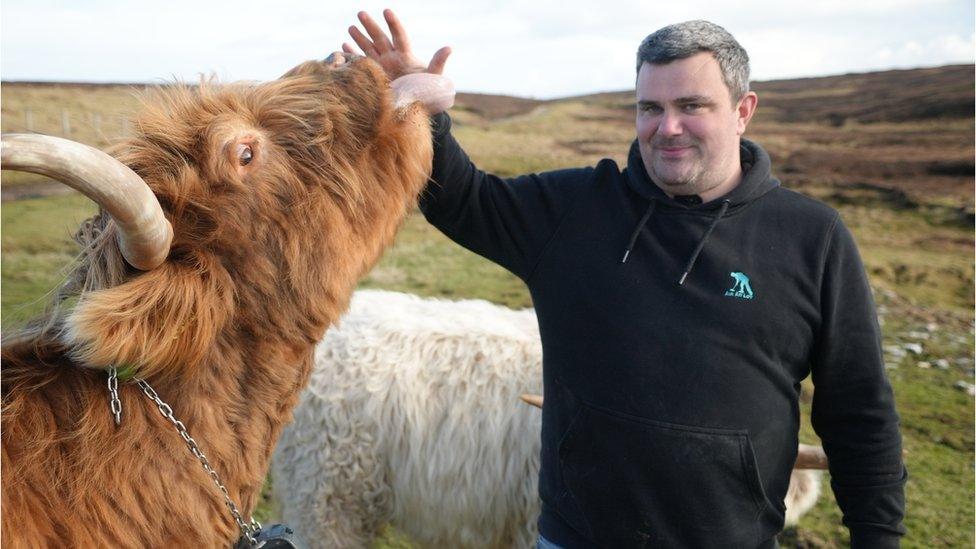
x=687, y=126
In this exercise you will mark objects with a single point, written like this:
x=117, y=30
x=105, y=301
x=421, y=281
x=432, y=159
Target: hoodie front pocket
x=644, y=483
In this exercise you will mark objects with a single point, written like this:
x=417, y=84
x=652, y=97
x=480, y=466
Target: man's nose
x=670, y=124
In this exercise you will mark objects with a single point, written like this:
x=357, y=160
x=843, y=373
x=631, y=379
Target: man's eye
x=692, y=107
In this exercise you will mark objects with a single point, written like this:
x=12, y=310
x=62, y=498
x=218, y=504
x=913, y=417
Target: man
x=681, y=300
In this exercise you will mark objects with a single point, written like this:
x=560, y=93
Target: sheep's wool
x=413, y=416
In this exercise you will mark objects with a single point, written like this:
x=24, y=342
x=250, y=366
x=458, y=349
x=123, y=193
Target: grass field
x=913, y=224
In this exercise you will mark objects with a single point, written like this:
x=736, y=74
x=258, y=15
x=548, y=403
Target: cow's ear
x=161, y=322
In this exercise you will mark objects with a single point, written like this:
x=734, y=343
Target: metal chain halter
x=113, y=391
x=250, y=529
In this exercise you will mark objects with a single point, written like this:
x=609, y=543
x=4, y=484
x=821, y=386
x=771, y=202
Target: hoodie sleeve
x=853, y=404
x=508, y=221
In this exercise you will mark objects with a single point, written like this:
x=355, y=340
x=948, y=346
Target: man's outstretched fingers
x=362, y=41
x=380, y=41
x=395, y=57
x=400, y=40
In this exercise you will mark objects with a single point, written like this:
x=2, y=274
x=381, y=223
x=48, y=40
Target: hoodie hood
x=756, y=180
x=755, y=183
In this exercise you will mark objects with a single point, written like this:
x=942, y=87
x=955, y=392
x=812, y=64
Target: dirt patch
x=591, y=147
x=40, y=189
x=496, y=107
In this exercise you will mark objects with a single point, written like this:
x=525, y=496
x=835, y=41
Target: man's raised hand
x=394, y=56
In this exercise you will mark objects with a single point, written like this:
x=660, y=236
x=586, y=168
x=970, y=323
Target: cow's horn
x=144, y=233
x=434, y=91
x=810, y=457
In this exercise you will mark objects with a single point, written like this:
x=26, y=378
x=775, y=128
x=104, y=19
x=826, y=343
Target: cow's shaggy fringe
x=412, y=417
x=264, y=259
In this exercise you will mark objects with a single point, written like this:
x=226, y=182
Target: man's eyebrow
x=680, y=101
x=693, y=99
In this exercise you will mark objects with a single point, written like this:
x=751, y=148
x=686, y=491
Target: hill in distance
x=889, y=96
x=906, y=135
x=901, y=137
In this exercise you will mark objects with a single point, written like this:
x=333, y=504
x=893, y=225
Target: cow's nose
x=337, y=59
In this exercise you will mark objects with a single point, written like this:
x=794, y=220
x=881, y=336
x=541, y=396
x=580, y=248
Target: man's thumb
x=437, y=62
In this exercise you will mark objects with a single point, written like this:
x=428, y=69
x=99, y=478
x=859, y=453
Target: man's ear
x=162, y=321
x=745, y=109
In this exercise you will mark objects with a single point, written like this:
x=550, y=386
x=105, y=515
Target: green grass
x=37, y=246
x=924, y=261
x=424, y=262
x=937, y=431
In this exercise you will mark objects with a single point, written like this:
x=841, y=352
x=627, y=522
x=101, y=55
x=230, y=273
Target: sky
x=536, y=48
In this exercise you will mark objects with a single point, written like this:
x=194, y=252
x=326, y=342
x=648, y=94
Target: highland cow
x=280, y=196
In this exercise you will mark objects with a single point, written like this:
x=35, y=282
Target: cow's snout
x=338, y=59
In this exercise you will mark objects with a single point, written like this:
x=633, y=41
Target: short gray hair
x=683, y=40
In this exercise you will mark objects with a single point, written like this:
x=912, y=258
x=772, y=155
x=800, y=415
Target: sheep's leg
x=802, y=494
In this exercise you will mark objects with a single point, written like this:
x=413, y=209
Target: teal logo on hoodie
x=741, y=288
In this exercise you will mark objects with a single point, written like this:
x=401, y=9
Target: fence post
x=29, y=120
x=65, y=123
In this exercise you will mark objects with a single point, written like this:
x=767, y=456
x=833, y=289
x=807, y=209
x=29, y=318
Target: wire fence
x=95, y=128
x=98, y=127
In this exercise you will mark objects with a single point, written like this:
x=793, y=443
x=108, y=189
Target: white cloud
x=951, y=48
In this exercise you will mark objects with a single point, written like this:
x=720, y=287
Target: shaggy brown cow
x=280, y=195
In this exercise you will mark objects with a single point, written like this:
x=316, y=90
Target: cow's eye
x=244, y=154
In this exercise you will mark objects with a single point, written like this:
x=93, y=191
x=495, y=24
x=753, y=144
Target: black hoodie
x=675, y=336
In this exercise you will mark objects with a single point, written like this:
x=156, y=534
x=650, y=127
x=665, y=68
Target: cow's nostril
x=336, y=59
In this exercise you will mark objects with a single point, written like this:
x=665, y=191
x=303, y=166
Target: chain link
x=248, y=530
x=113, y=391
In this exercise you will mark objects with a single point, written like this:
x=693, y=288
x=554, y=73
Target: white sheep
x=412, y=417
